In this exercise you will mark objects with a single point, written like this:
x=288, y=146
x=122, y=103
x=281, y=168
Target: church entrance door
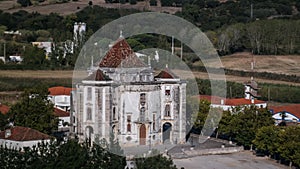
x=143, y=134
x=167, y=128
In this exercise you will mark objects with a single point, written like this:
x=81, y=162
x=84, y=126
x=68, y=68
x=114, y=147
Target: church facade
x=123, y=97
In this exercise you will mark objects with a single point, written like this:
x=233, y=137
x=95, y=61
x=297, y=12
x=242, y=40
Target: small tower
x=251, y=87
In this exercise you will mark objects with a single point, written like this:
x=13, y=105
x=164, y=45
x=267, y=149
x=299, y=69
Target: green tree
x=155, y=162
x=24, y=3
x=267, y=139
x=3, y=121
x=244, y=124
x=132, y=2
x=34, y=110
x=289, y=144
x=247, y=123
x=34, y=56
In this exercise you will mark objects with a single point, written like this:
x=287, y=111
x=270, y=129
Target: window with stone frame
x=167, y=110
x=128, y=123
x=114, y=113
x=89, y=93
x=89, y=114
x=143, y=99
x=168, y=91
x=153, y=122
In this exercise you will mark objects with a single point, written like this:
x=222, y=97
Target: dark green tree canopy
x=34, y=110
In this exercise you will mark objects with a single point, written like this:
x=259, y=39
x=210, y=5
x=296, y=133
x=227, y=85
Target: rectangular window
x=168, y=90
x=89, y=93
x=143, y=99
x=89, y=114
x=153, y=122
x=128, y=123
x=128, y=119
x=167, y=110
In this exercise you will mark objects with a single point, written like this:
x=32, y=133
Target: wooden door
x=143, y=134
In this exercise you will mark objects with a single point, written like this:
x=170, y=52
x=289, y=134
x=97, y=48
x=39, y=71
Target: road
x=242, y=160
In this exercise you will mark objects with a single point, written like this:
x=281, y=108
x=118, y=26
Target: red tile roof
x=292, y=109
x=242, y=101
x=166, y=74
x=230, y=102
x=3, y=108
x=61, y=113
x=59, y=90
x=98, y=76
x=212, y=99
x=121, y=55
x=19, y=133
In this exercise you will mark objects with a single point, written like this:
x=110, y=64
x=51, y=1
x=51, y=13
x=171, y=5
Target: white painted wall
x=21, y=144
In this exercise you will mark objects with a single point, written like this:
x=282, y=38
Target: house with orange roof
x=64, y=119
x=228, y=104
x=288, y=113
x=20, y=137
x=60, y=97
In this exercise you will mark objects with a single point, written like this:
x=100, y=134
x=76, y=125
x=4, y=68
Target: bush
x=153, y=3
x=132, y=2
x=24, y=3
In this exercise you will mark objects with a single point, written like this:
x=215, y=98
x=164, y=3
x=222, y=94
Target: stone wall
x=214, y=151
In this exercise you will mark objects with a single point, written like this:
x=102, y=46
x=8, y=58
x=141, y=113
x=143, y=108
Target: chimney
x=222, y=101
x=7, y=133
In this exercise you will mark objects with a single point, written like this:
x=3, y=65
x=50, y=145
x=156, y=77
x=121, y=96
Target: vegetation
x=155, y=162
x=68, y=155
x=240, y=125
x=22, y=83
x=253, y=127
x=35, y=111
x=212, y=14
x=74, y=155
x=280, y=143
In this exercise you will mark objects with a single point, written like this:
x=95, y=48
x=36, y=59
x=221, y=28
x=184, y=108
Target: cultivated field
x=36, y=73
x=75, y=6
x=68, y=74
x=287, y=64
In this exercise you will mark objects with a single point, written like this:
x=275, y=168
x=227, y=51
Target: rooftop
x=60, y=90
x=121, y=55
x=61, y=113
x=19, y=133
x=230, y=102
x=292, y=109
x=3, y=108
x=166, y=74
x=98, y=76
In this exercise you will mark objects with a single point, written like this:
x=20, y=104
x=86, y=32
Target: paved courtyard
x=241, y=160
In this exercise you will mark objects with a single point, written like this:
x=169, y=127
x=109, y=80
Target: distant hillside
x=213, y=14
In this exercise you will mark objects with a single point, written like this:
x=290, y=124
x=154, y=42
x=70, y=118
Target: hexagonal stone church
x=123, y=97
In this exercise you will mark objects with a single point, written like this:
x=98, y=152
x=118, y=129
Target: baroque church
x=125, y=97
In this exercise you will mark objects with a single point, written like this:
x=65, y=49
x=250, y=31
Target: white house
x=60, y=97
x=291, y=113
x=64, y=119
x=228, y=104
x=20, y=137
x=46, y=46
